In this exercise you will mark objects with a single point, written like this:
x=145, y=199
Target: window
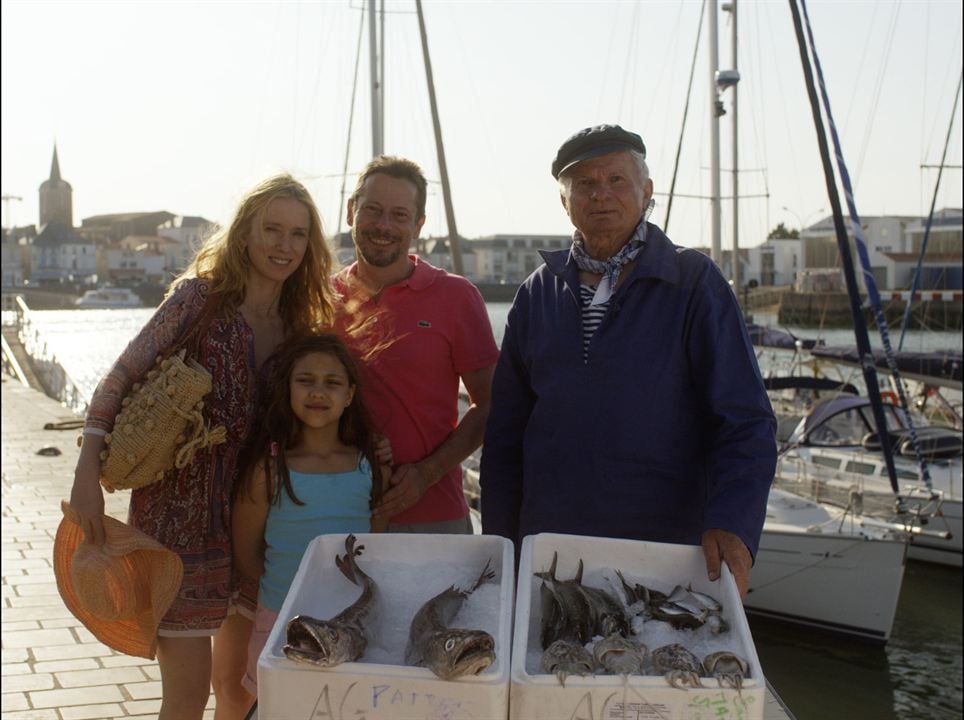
x=860, y=467
x=845, y=428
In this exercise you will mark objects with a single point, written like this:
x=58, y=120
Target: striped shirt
x=592, y=316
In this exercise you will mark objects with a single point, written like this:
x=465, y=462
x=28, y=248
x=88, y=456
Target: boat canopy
x=938, y=367
x=763, y=336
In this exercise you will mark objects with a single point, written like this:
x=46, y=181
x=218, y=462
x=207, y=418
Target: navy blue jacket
x=665, y=432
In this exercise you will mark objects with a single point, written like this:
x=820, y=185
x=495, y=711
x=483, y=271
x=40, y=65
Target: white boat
x=834, y=457
x=109, y=297
x=822, y=567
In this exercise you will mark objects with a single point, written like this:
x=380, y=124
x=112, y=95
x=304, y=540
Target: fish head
x=322, y=643
x=564, y=658
x=620, y=655
x=454, y=652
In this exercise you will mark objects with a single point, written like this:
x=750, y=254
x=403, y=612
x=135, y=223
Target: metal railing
x=55, y=380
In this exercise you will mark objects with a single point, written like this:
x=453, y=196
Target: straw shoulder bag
x=160, y=425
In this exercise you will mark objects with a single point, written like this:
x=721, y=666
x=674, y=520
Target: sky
x=183, y=106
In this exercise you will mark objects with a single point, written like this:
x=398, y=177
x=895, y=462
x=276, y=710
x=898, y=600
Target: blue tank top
x=333, y=503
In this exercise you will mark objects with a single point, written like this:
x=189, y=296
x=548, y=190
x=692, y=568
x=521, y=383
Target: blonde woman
x=259, y=281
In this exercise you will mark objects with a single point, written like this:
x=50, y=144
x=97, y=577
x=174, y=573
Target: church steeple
x=56, y=203
x=55, y=166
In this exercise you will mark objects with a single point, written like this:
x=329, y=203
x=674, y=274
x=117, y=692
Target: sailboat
x=817, y=565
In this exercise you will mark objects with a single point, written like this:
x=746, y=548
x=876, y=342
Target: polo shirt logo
x=424, y=324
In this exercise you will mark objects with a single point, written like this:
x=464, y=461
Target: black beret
x=594, y=142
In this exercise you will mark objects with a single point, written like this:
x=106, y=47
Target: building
x=12, y=264
x=131, y=265
x=107, y=229
x=510, y=259
x=59, y=255
x=190, y=231
x=56, y=198
x=893, y=245
x=774, y=262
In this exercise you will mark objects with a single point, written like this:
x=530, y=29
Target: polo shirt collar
x=422, y=276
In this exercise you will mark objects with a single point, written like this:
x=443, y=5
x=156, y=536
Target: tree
x=780, y=232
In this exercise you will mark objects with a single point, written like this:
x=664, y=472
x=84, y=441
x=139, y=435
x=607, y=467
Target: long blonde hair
x=306, y=296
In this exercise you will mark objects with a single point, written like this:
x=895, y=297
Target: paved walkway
x=52, y=667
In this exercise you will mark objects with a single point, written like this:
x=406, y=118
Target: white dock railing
x=55, y=380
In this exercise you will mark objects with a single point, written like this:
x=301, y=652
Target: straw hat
x=120, y=590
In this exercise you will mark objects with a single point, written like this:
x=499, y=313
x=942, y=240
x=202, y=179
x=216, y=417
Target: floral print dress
x=189, y=510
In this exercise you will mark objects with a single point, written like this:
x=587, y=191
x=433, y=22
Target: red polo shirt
x=416, y=339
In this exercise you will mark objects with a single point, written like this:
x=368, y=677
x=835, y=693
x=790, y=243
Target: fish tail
x=487, y=574
x=549, y=574
x=347, y=563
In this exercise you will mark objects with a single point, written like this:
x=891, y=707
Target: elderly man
x=627, y=401
x=420, y=331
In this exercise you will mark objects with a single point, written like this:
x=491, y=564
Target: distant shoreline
x=151, y=296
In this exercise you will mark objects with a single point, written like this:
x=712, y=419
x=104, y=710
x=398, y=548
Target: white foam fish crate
x=409, y=569
x=539, y=696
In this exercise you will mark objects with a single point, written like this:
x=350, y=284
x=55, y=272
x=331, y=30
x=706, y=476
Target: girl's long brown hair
x=280, y=428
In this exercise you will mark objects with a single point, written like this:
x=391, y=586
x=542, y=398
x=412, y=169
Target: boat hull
x=821, y=474
x=936, y=550
x=839, y=583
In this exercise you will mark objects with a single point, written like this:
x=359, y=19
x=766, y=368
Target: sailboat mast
x=715, y=248
x=443, y=168
x=737, y=280
x=378, y=145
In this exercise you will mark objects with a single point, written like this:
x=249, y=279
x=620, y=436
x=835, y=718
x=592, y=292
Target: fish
x=688, y=601
x=566, y=657
x=728, y=668
x=679, y=665
x=448, y=652
x=606, y=614
x=716, y=623
x=709, y=602
x=620, y=655
x=679, y=617
x=343, y=638
x=566, y=624
x=566, y=608
x=641, y=595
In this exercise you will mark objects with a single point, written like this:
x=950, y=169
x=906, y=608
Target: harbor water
x=918, y=674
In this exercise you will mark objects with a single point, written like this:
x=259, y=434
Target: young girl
x=310, y=474
x=260, y=279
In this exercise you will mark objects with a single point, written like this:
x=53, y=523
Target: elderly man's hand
x=722, y=546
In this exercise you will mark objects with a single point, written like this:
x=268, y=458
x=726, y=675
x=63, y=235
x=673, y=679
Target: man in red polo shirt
x=419, y=330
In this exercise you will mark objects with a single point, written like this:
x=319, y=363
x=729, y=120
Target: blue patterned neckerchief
x=611, y=268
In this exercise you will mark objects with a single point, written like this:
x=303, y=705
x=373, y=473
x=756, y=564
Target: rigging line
x=869, y=33
x=843, y=243
x=492, y=154
x=664, y=72
x=272, y=55
x=351, y=117
x=315, y=88
x=686, y=107
x=878, y=91
x=757, y=115
x=790, y=142
x=602, y=85
x=867, y=361
x=630, y=58
x=934, y=132
x=925, y=48
x=930, y=218
x=294, y=85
